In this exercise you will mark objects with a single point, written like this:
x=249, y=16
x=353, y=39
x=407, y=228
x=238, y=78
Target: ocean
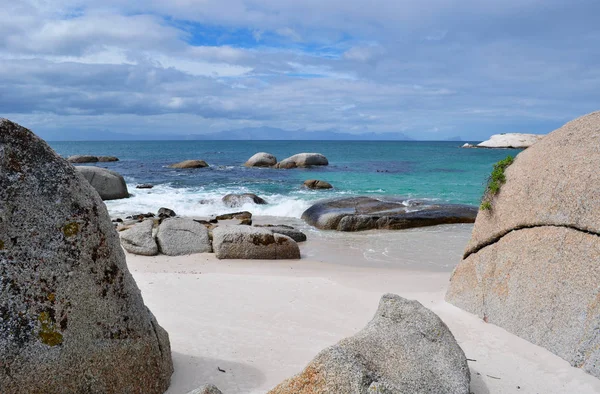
x=437, y=171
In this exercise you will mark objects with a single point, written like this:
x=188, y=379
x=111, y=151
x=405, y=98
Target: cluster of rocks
x=508, y=141
x=366, y=213
x=91, y=159
x=70, y=311
x=263, y=159
x=532, y=264
x=148, y=235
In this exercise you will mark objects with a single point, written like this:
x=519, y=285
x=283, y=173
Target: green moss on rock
x=496, y=179
x=70, y=229
x=48, y=334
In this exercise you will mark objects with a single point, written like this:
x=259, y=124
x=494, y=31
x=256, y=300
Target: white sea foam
x=200, y=202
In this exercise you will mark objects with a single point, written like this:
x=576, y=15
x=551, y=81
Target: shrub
x=495, y=181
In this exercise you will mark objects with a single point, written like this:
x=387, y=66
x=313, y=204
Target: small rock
x=144, y=186
x=235, y=215
x=237, y=200
x=246, y=222
x=82, y=159
x=316, y=184
x=289, y=231
x=106, y=159
x=166, y=213
x=190, y=164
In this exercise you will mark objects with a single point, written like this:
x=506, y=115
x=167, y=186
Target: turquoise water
x=440, y=171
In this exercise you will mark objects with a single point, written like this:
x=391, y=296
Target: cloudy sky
x=432, y=69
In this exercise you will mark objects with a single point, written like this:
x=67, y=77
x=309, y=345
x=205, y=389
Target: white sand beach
x=263, y=321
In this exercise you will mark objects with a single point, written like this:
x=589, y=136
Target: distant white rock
x=511, y=140
x=467, y=145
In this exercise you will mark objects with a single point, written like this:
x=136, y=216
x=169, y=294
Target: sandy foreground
x=263, y=321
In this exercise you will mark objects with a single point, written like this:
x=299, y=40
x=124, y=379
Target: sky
x=432, y=69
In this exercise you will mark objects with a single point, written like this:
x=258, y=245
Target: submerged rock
x=303, y=160
x=144, y=186
x=70, y=311
x=109, y=184
x=106, y=159
x=245, y=242
x=406, y=348
x=190, y=164
x=261, y=159
x=82, y=159
x=531, y=265
x=237, y=200
x=366, y=213
x=510, y=140
x=316, y=184
x=178, y=236
x=139, y=239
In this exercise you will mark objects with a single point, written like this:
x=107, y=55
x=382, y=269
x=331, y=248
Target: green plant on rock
x=495, y=181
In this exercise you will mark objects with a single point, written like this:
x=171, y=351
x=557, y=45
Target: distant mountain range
x=253, y=133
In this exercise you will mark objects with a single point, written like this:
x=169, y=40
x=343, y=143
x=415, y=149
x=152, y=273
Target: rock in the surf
x=166, y=213
x=82, y=159
x=531, y=265
x=406, y=348
x=261, y=159
x=366, y=213
x=237, y=200
x=316, y=184
x=70, y=311
x=144, y=186
x=109, y=184
x=289, y=231
x=245, y=242
x=244, y=215
x=303, y=160
x=190, y=164
x=139, y=239
x=179, y=236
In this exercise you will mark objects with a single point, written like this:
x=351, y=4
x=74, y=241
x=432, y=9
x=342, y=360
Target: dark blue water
x=435, y=170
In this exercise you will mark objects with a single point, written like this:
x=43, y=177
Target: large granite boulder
x=178, y=236
x=531, y=265
x=237, y=200
x=303, y=160
x=245, y=242
x=366, y=213
x=190, y=164
x=71, y=316
x=261, y=159
x=82, y=159
x=139, y=239
x=109, y=184
x=406, y=348
x=510, y=140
